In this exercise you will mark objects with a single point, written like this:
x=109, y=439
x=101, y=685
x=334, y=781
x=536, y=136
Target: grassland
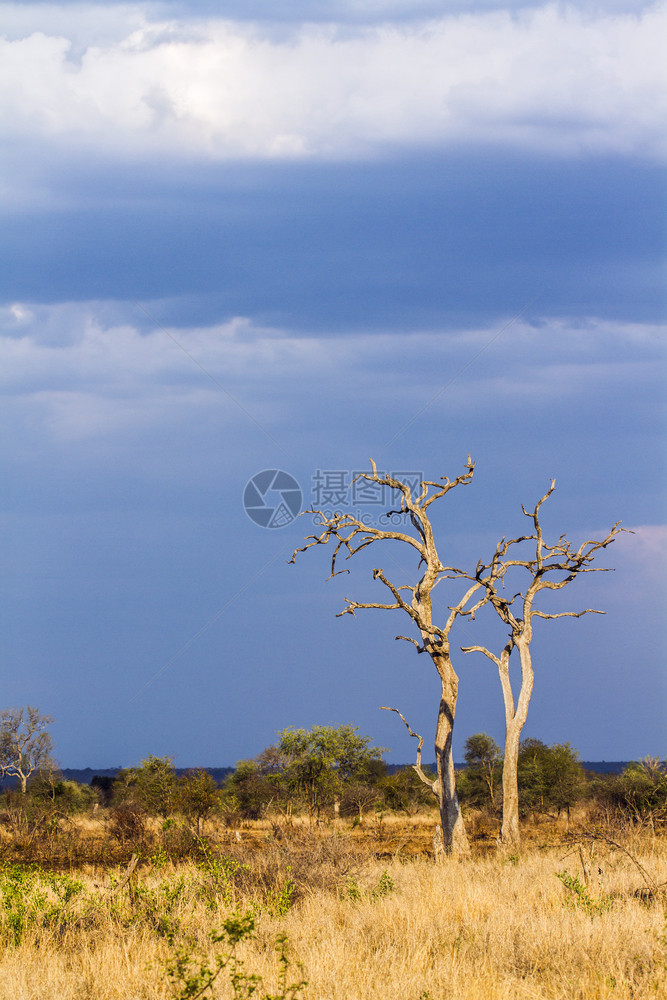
x=367, y=913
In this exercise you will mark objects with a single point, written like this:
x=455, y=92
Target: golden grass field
x=368, y=915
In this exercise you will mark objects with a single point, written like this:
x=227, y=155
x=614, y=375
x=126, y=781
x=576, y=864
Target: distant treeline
x=85, y=775
x=336, y=772
x=329, y=772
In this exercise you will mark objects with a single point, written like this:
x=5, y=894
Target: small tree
x=482, y=755
x=359, y=795
x=198, y=795
x=249, y=791
x=548, y=567
x=152, y=786
x=351, y=536
x=320, y=762
x=25, y=744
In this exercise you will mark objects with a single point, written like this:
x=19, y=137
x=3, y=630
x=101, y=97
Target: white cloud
x=553, y=78
x=15, y=315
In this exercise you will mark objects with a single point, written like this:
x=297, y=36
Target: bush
x=192, y=974
x=63, y=795
x=639, y=794
x=30, y=898
x=403, y=791
x=248, y=791
x=152, y=786
x=549, y=777
x=128, y=823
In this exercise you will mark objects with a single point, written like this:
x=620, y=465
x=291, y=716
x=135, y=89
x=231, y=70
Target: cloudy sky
x=292, y=235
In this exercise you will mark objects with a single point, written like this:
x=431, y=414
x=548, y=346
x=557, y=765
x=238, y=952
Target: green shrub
x=579, y=895
x=32, y=898
x=193, y=975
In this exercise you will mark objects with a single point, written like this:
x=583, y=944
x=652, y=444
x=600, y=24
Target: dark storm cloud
x=383, y=244
x=334, y=227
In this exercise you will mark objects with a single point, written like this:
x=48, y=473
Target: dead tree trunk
x=453, y=830
x=515, y=720
x=353, y=535
x=454, y=835
x=450, y=837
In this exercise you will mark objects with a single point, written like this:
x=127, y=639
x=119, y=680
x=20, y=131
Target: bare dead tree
x=350, y=536
x=25, y=743
x=552, y=567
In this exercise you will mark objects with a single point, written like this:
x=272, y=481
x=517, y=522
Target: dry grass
x=490, y=928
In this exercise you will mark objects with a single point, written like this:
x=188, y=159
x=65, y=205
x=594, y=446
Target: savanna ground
x=368, y=914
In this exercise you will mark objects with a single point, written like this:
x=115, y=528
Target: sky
x=291, y=236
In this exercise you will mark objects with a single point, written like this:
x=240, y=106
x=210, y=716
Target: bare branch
x=134, y=861
x=355, y=606
x=536, y=521
x=450, y=573
x=548, y=563
x=344, y=529
x=470, y=613
x=400, y=604
x=420, y=649
x=379, y=575
x=446, y=485
x=418, y=766
x=569, y=614
x=418, y=504
x=481, y=649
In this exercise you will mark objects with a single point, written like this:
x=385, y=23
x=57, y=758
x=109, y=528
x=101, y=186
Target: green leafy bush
x=580, y=896
x=193, y=975
x=32, y=898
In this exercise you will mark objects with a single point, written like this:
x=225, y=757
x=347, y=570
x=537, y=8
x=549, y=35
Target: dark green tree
x=549, y=777
x=103, y=786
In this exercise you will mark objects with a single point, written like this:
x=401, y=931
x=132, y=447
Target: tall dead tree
x=552, y=567
x=351, y=536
